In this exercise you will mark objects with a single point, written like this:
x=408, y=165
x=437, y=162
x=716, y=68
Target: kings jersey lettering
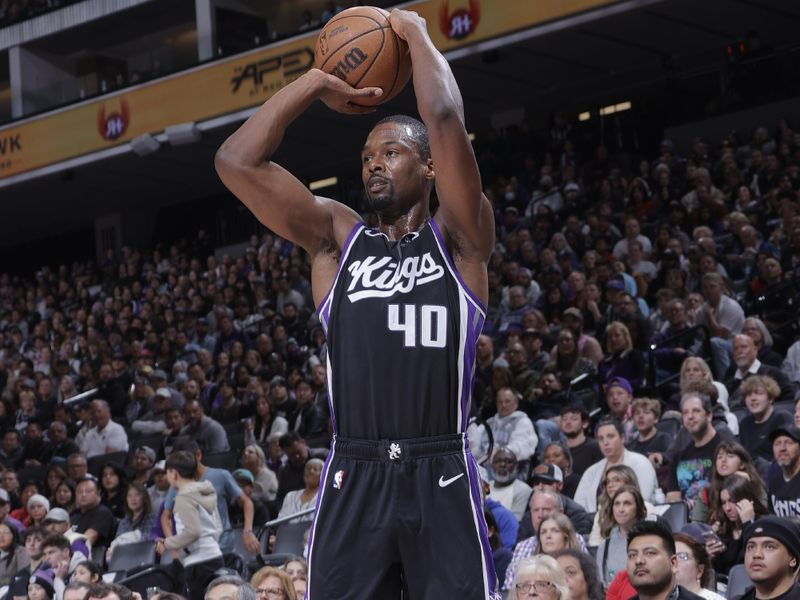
x=383, y=277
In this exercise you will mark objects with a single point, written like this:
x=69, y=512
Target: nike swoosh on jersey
x=445, y=482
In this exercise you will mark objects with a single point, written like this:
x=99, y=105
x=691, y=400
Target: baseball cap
x=148, y=452
x=163, y=392
x=43, y=578
x=620, y=382
x=160, y=466
x=572, y=187
x=553, y=474
x=698, y=531
x=573, y=312
x=243, y=474
x=57, y=515
x=500, y=362
x=615, y=284
x=28, y=383
x=159, y=374
x=790, y=431
x=780, y=528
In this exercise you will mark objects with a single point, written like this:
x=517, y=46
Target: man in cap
x=619, y=398
x=652, y=563
x=771, y=557
x=158, y=490
x=246, y=481
x=152, y=420
x=783, y=486
x=57, y=522
x=159, y=379
x=551, y=477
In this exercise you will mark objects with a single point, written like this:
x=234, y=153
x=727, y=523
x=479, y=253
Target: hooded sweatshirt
x=197, y=523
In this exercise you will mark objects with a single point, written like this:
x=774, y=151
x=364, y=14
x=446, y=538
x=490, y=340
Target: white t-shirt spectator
x=586, y=494
x=111, y=439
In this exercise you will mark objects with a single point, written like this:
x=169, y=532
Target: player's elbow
x=225, y=161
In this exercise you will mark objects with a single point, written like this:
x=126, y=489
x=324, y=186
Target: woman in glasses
x=539, y=576
x=694, y=567
x=271, y=583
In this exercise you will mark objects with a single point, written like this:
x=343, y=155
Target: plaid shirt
x=524, y=549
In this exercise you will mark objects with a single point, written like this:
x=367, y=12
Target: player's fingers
x=367, y=92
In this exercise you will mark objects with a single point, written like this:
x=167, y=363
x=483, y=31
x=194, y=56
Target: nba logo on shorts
x=338, y=479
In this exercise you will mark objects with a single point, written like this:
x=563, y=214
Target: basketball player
x=399, y=503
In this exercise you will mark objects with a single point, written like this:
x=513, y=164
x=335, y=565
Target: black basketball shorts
x=400, y=518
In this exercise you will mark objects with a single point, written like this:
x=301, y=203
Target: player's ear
x=429, y=172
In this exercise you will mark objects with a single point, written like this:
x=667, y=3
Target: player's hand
x=405, y=21
x=342, y=97
x=160, y=546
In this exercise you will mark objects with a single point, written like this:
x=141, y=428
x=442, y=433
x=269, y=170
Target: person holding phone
x=739, y=505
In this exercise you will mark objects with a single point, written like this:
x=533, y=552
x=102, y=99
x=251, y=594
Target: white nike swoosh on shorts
x=445, y=482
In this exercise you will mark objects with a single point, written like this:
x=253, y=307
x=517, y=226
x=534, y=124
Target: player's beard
x=379, y=203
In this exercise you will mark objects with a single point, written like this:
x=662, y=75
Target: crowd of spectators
x=641, y=313
x=13, y=11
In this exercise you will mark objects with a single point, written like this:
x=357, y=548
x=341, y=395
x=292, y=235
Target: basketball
x=359, y=46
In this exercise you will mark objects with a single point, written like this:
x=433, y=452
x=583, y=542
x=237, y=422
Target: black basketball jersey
x=402, y=328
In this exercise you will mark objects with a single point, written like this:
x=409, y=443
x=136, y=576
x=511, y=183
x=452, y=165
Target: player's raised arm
x=274, y=195
x=458, y=183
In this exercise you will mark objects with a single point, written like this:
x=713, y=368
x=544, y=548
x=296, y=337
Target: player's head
x=396, y=166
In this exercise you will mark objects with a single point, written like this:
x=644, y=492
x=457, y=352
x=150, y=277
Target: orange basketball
x=359, y=46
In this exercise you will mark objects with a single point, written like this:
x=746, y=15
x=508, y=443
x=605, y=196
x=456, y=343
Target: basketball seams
x=377, y=57
x=379, y=27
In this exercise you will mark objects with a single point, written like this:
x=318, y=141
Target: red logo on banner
x=114, y=125
x=462, y=22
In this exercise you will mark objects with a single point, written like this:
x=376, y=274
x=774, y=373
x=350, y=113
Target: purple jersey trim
x=324, y=315
x=322, y=489
x=483, y=534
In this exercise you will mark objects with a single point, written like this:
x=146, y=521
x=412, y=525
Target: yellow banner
x=240, y=82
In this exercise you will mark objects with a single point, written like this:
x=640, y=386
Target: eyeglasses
x=537, y=587
x=269, y=593
x=684, y=556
